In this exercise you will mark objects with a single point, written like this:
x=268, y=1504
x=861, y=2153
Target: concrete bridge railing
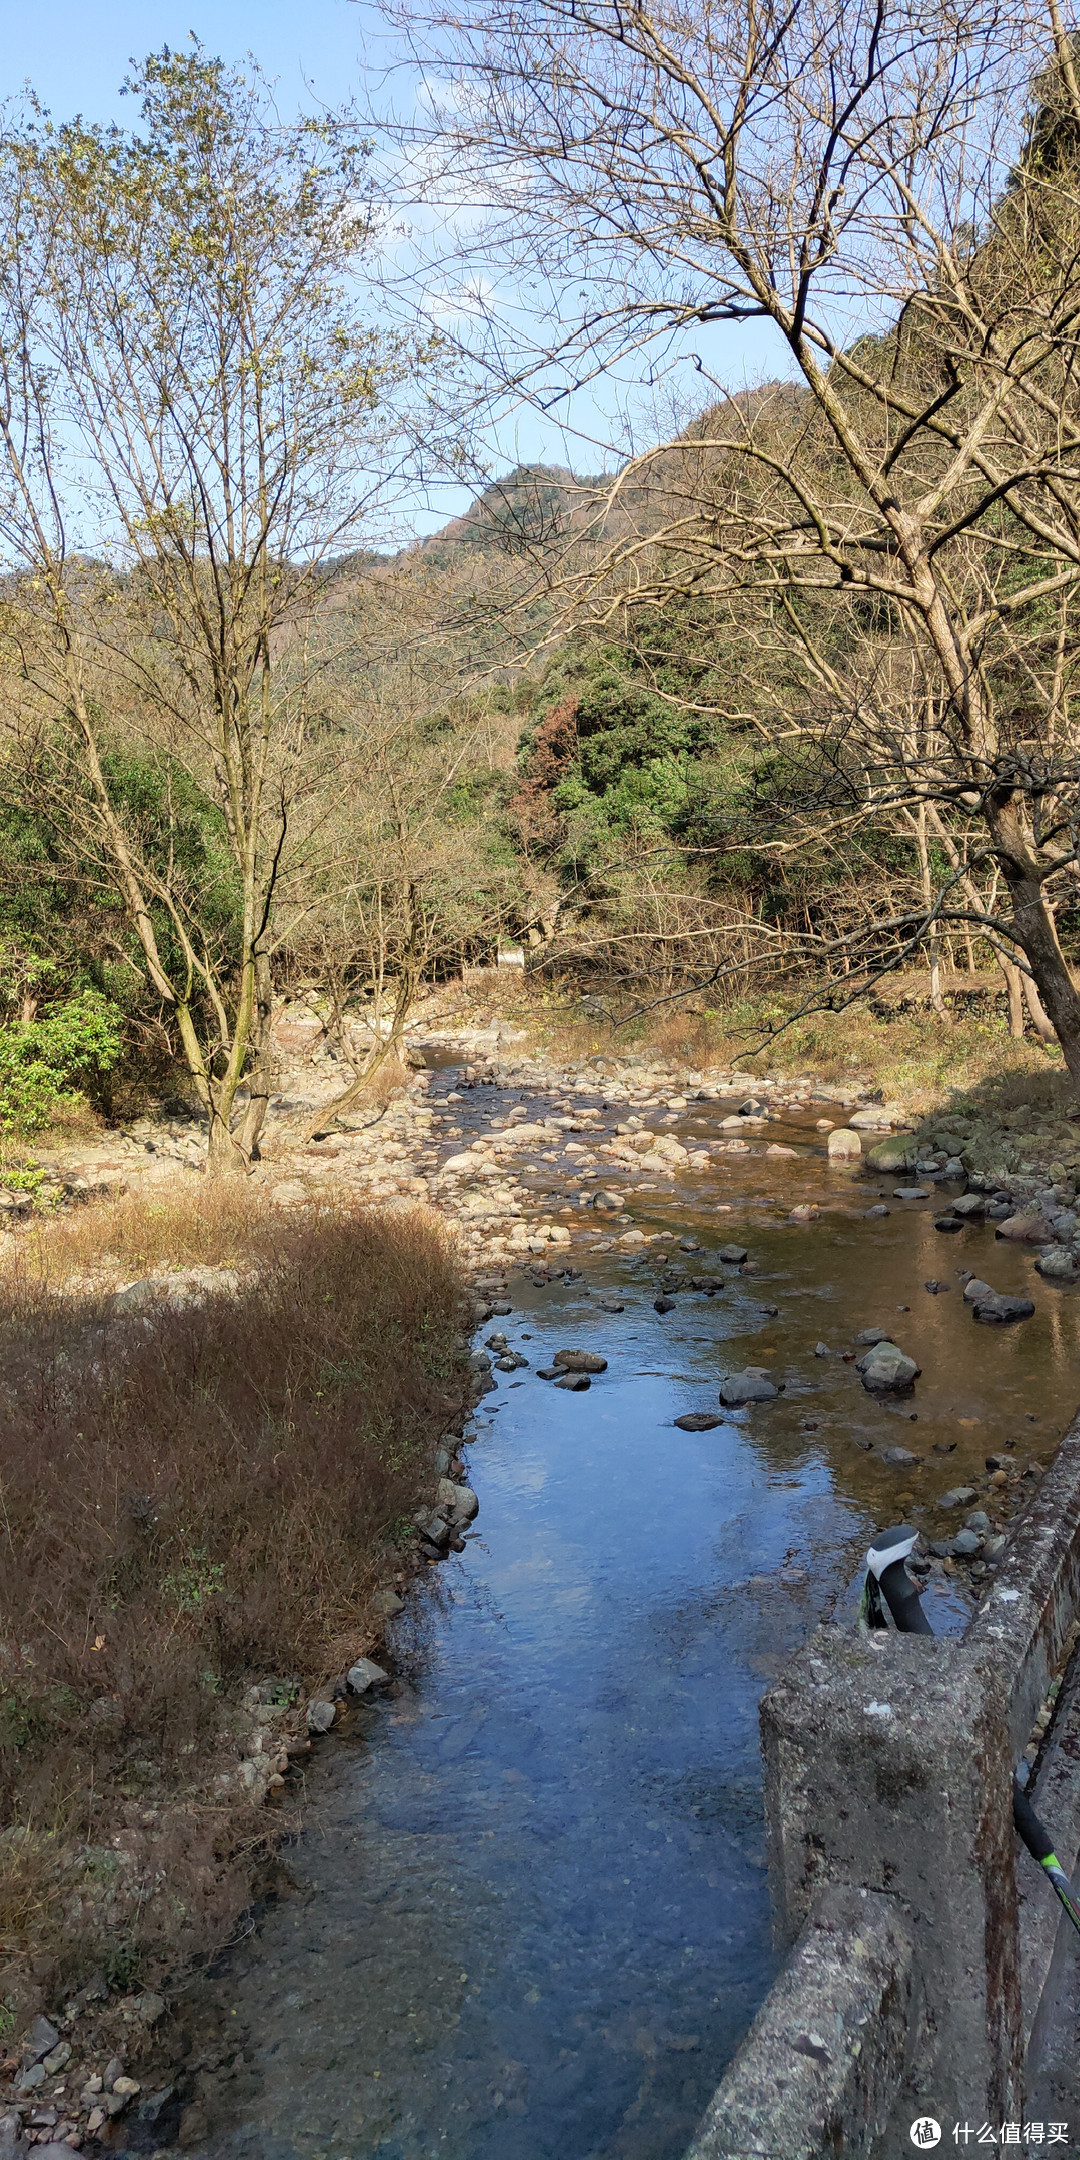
x=920, y=1934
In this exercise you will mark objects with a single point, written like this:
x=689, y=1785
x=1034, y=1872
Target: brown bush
x=190, y=1499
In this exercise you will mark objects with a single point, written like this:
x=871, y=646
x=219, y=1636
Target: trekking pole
x=887, y=1578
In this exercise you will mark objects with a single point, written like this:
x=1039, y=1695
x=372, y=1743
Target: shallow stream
x=530, y=1916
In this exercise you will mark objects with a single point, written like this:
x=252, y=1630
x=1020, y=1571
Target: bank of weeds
x=190, y=1501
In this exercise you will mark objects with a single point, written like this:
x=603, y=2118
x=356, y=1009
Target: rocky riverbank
x=542, y=1166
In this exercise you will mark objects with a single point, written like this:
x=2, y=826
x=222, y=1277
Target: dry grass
x=187, y=1504
x=185, y=1221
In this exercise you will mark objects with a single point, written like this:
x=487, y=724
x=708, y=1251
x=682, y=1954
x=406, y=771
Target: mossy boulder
x=895, y=1153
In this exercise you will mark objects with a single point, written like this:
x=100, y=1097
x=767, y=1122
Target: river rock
x=466, y=1506
x=886, y=1369
x=746, y=1387
x=609, y=1203
x=12, y=2142
x=843, y=1144
x=978, y=1520
x=872, y=1335
x=39, y=2039
x=893, y=1154
x=900, y=1458
x=1000, y=1306
x=875, y=1213
x=948, y=1222
x=697, y=1421
x=966, y=1544
x=733, y=1254
x=975, y=1289
x=320, y=1716
x=958, y=1497
x=579, y=1361
x=1026, y=1230
x=969, y=1205
x=1057, y=1264
x=386, y=1603
x=806, y=1212
x=670, y=1150
x=365, y=1674
x=575, y=1382
x=774, y=1148
x=911, y=1192
x=663, y=1304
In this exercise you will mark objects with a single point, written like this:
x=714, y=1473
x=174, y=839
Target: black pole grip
x=903, y=1600
x=1029, y=1829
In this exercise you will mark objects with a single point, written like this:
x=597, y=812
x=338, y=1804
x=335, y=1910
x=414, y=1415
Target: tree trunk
x=261, y=1054
x=1036, y=933
x=1040, y=1019
x=1014, y=985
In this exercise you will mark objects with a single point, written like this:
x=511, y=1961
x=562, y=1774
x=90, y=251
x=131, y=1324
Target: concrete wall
x=888, y=1769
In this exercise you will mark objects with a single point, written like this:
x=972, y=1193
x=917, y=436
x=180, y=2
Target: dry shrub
x=189, y=1500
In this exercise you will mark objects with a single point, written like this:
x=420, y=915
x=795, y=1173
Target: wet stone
x=698, y=1421
x=1000, y=1307
x=574, y=1382
x=579, y=1361
x=747, y=1387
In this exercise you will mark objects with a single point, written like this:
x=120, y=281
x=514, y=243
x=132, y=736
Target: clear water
x=530, y=1917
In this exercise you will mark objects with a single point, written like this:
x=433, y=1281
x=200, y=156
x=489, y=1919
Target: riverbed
x=529, y=1914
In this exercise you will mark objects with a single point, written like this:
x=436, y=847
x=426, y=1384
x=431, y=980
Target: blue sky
x=317, y=52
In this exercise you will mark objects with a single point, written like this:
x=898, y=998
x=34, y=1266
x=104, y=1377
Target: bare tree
x=195, y=415
x=896, y=196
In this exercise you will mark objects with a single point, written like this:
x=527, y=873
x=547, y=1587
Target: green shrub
x=43, y=1060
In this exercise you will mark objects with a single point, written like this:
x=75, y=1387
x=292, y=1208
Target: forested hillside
x=785, y=704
